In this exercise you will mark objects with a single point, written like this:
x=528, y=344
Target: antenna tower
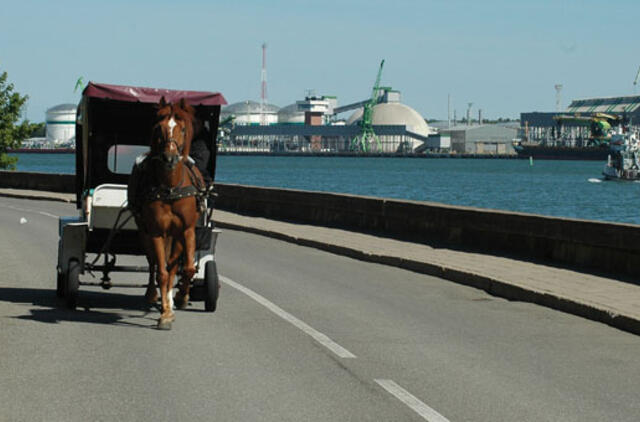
x=263, y=86
x=558, y=88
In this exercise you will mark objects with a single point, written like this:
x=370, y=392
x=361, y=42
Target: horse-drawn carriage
x=115, y=133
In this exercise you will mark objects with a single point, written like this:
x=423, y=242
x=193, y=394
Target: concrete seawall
x=38, y=181
x=597, y=246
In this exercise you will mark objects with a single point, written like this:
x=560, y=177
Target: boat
x=624, y=161
x=562, y=145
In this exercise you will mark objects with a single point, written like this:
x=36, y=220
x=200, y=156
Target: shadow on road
x=50, y=309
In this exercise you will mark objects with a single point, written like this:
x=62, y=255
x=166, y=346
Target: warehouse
x=482, y=139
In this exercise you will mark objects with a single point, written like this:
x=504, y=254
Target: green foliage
x=11, y=133
x=39, y=130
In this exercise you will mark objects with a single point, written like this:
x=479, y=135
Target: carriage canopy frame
x=109, y=116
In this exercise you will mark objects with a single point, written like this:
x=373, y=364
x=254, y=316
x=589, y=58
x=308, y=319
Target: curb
x=35, y=197
x=490, y=285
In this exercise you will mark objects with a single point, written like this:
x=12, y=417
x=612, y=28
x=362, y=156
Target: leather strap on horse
x=163, y=193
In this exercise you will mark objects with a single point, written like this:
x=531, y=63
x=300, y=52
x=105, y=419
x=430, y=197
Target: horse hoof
x=164, y=322
x=151, y=296
x=181, y=301
x=164, y=325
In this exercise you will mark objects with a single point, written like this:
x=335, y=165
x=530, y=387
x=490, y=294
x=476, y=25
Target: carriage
x=113, y=127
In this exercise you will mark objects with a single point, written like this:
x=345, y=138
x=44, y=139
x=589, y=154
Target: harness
x=167, y=193
x=143, y=190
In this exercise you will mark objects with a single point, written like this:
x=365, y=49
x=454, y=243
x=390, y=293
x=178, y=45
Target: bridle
x=172, y=162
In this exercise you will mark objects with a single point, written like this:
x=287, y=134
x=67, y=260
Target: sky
x=504, y=56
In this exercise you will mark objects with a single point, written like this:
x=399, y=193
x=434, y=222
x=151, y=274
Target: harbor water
x=556, y=188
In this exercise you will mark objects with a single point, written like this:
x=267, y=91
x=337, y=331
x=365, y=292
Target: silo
x=248, y=113
x=61, y=124
x=291, y=114
x=396, y=114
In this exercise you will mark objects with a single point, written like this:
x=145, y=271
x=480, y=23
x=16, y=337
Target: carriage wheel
x=59, y=283
x=212, y=286
x=73, y=283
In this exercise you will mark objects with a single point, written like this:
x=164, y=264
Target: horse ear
x=186, y=106
x=163, y=102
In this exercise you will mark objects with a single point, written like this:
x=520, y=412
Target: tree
x=11, y=133
x=39, y=130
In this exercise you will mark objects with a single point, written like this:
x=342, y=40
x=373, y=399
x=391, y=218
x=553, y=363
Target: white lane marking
x=46, y=214
x=412, y=401
x=316, y=335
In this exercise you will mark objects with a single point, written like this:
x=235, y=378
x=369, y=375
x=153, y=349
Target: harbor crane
x=635, y=81
x=367, y=136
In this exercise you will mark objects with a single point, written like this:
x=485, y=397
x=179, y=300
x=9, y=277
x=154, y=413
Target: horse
x=167, y=187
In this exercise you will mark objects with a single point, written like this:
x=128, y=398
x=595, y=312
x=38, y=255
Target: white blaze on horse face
x=172, y=123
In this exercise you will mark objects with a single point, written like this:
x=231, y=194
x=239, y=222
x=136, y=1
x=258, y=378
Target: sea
x=572, y=189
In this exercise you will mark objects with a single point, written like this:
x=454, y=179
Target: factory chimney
x=558, y=88
x=480, y=116
x=448, y=110
x=469, y=114
x=263, y=87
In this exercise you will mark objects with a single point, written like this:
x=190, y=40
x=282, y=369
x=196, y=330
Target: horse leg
x=167, y=316
x=152, y=292
x=182, y=300
x=189, y=269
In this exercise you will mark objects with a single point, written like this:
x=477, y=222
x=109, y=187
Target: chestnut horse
x=168, y=211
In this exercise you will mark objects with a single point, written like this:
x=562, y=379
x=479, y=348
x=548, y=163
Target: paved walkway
x=595, y=297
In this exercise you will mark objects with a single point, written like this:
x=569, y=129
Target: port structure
x=364, y=141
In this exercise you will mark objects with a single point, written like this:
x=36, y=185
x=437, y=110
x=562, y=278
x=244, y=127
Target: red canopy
x=152, y=95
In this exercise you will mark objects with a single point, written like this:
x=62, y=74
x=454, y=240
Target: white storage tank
x=291, y=114
x=61, y=124
x=248, y=113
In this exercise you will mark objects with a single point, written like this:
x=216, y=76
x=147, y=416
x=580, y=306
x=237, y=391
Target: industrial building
x=486, y=139
x=313, y=126
x=61, y=125
x=543, y=126
x=396, y=114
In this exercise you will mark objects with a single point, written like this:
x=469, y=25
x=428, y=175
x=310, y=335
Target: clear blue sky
x=503, y=55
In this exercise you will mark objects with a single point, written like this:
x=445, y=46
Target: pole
x=449, y=111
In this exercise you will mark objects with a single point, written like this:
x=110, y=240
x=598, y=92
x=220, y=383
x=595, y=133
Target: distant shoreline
x=42, y=151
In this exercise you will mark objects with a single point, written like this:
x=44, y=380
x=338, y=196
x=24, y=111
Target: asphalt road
x=299, y=335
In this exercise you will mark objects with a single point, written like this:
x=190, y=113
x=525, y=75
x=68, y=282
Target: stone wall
x=598, y=246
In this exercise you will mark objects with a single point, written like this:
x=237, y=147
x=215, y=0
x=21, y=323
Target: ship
x=624, y=161
x=596, y=147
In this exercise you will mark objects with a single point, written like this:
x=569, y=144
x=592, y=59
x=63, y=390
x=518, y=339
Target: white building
x=396, y=114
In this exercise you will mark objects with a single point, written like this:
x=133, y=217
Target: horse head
x=172, y=133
